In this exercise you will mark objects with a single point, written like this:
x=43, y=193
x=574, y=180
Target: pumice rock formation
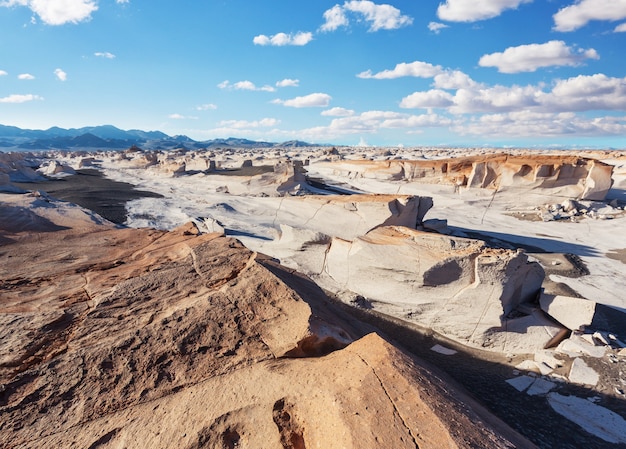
x=557, y=176
x=133, y=338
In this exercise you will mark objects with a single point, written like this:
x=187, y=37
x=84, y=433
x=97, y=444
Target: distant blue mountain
x=109, y=137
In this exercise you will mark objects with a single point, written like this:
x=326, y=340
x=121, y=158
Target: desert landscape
x=313, y=297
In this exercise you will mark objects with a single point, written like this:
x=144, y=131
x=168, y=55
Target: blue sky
x=413, y=72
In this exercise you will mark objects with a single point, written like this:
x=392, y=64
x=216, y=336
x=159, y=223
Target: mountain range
x=13, y=138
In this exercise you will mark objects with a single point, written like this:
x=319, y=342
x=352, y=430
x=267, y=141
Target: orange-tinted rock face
x=567, y=176
x=141, y=338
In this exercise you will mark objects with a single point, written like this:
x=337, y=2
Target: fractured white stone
x=581, y=373
x=572, y=313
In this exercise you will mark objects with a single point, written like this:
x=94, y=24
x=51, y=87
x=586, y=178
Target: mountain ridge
x=13, y=138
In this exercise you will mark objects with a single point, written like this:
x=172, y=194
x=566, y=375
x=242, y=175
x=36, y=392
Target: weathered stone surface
x=560, y=176
x=453, y=285
x=145, y=338
x=581, y=373
x=349, y=216
x=574, y=313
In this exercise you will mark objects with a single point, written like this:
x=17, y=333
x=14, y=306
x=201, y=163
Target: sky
x=518, y=73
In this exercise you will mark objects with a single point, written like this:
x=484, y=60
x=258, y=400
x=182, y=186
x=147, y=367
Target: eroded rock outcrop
x=144, y=338
x=349, y=216
x=455, y=286
x=558, y=176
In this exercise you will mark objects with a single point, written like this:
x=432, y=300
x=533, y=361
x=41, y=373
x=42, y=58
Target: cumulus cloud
x=582, y=12
x=621, y=28
x=587, y=93
x=206, y=107
x=418, y=69
x=288, y=83
x=528, y=58
x=577, y=94
x=436, y=27
x=245, y=124
x=524, y=123
x=464, y=11
x=379, y=17
x=104, y=54
x=433, y=98
x=58, y=12
x=316, y=100
x=25, y=76
x=338, y=112
x=281, y=39
x=334, y=17
x=371, y=122
x=245, y=85
x=16, y=98
x=60, y=74
x=454, y=79
x=3, y=73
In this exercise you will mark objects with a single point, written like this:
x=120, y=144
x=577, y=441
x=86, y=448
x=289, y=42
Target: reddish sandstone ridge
x=142, y=338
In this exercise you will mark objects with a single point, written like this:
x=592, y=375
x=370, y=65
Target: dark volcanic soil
x=90, y=189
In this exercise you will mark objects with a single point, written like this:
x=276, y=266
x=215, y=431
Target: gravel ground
x=90, y=189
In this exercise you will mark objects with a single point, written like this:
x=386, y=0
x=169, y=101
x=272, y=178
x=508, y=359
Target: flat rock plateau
x=292, y=298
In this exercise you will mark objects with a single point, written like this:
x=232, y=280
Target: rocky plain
x=313, y=297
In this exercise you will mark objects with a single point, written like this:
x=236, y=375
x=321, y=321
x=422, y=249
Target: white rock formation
x=573, y=313
x=581, y=373
x=455, y=286
x=558, y=176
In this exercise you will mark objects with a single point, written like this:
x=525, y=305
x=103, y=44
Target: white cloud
x=379, y=17
x=582, y=93
x=316, y=100
x=281, y=39
x=288, y=83
x=58, y=12
x=25, y=76
x=16, y=98
x=121, y=1
x=3, y=73
x=416, y=121
x=245, y=85
x=60, y=74
x=418, y=69
x=472, y=11
x=245, y=124
x=104, y=54
x=182, y=117
x=434, y=98
x=528, y=58
x=587, y=93
x=621, y=28
x=436, y=27
x=524, y=124
x=338, y=112
x=582, y=12
x=335, y=17
x=371, y=122
x=206, y=107
x=454, y=79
